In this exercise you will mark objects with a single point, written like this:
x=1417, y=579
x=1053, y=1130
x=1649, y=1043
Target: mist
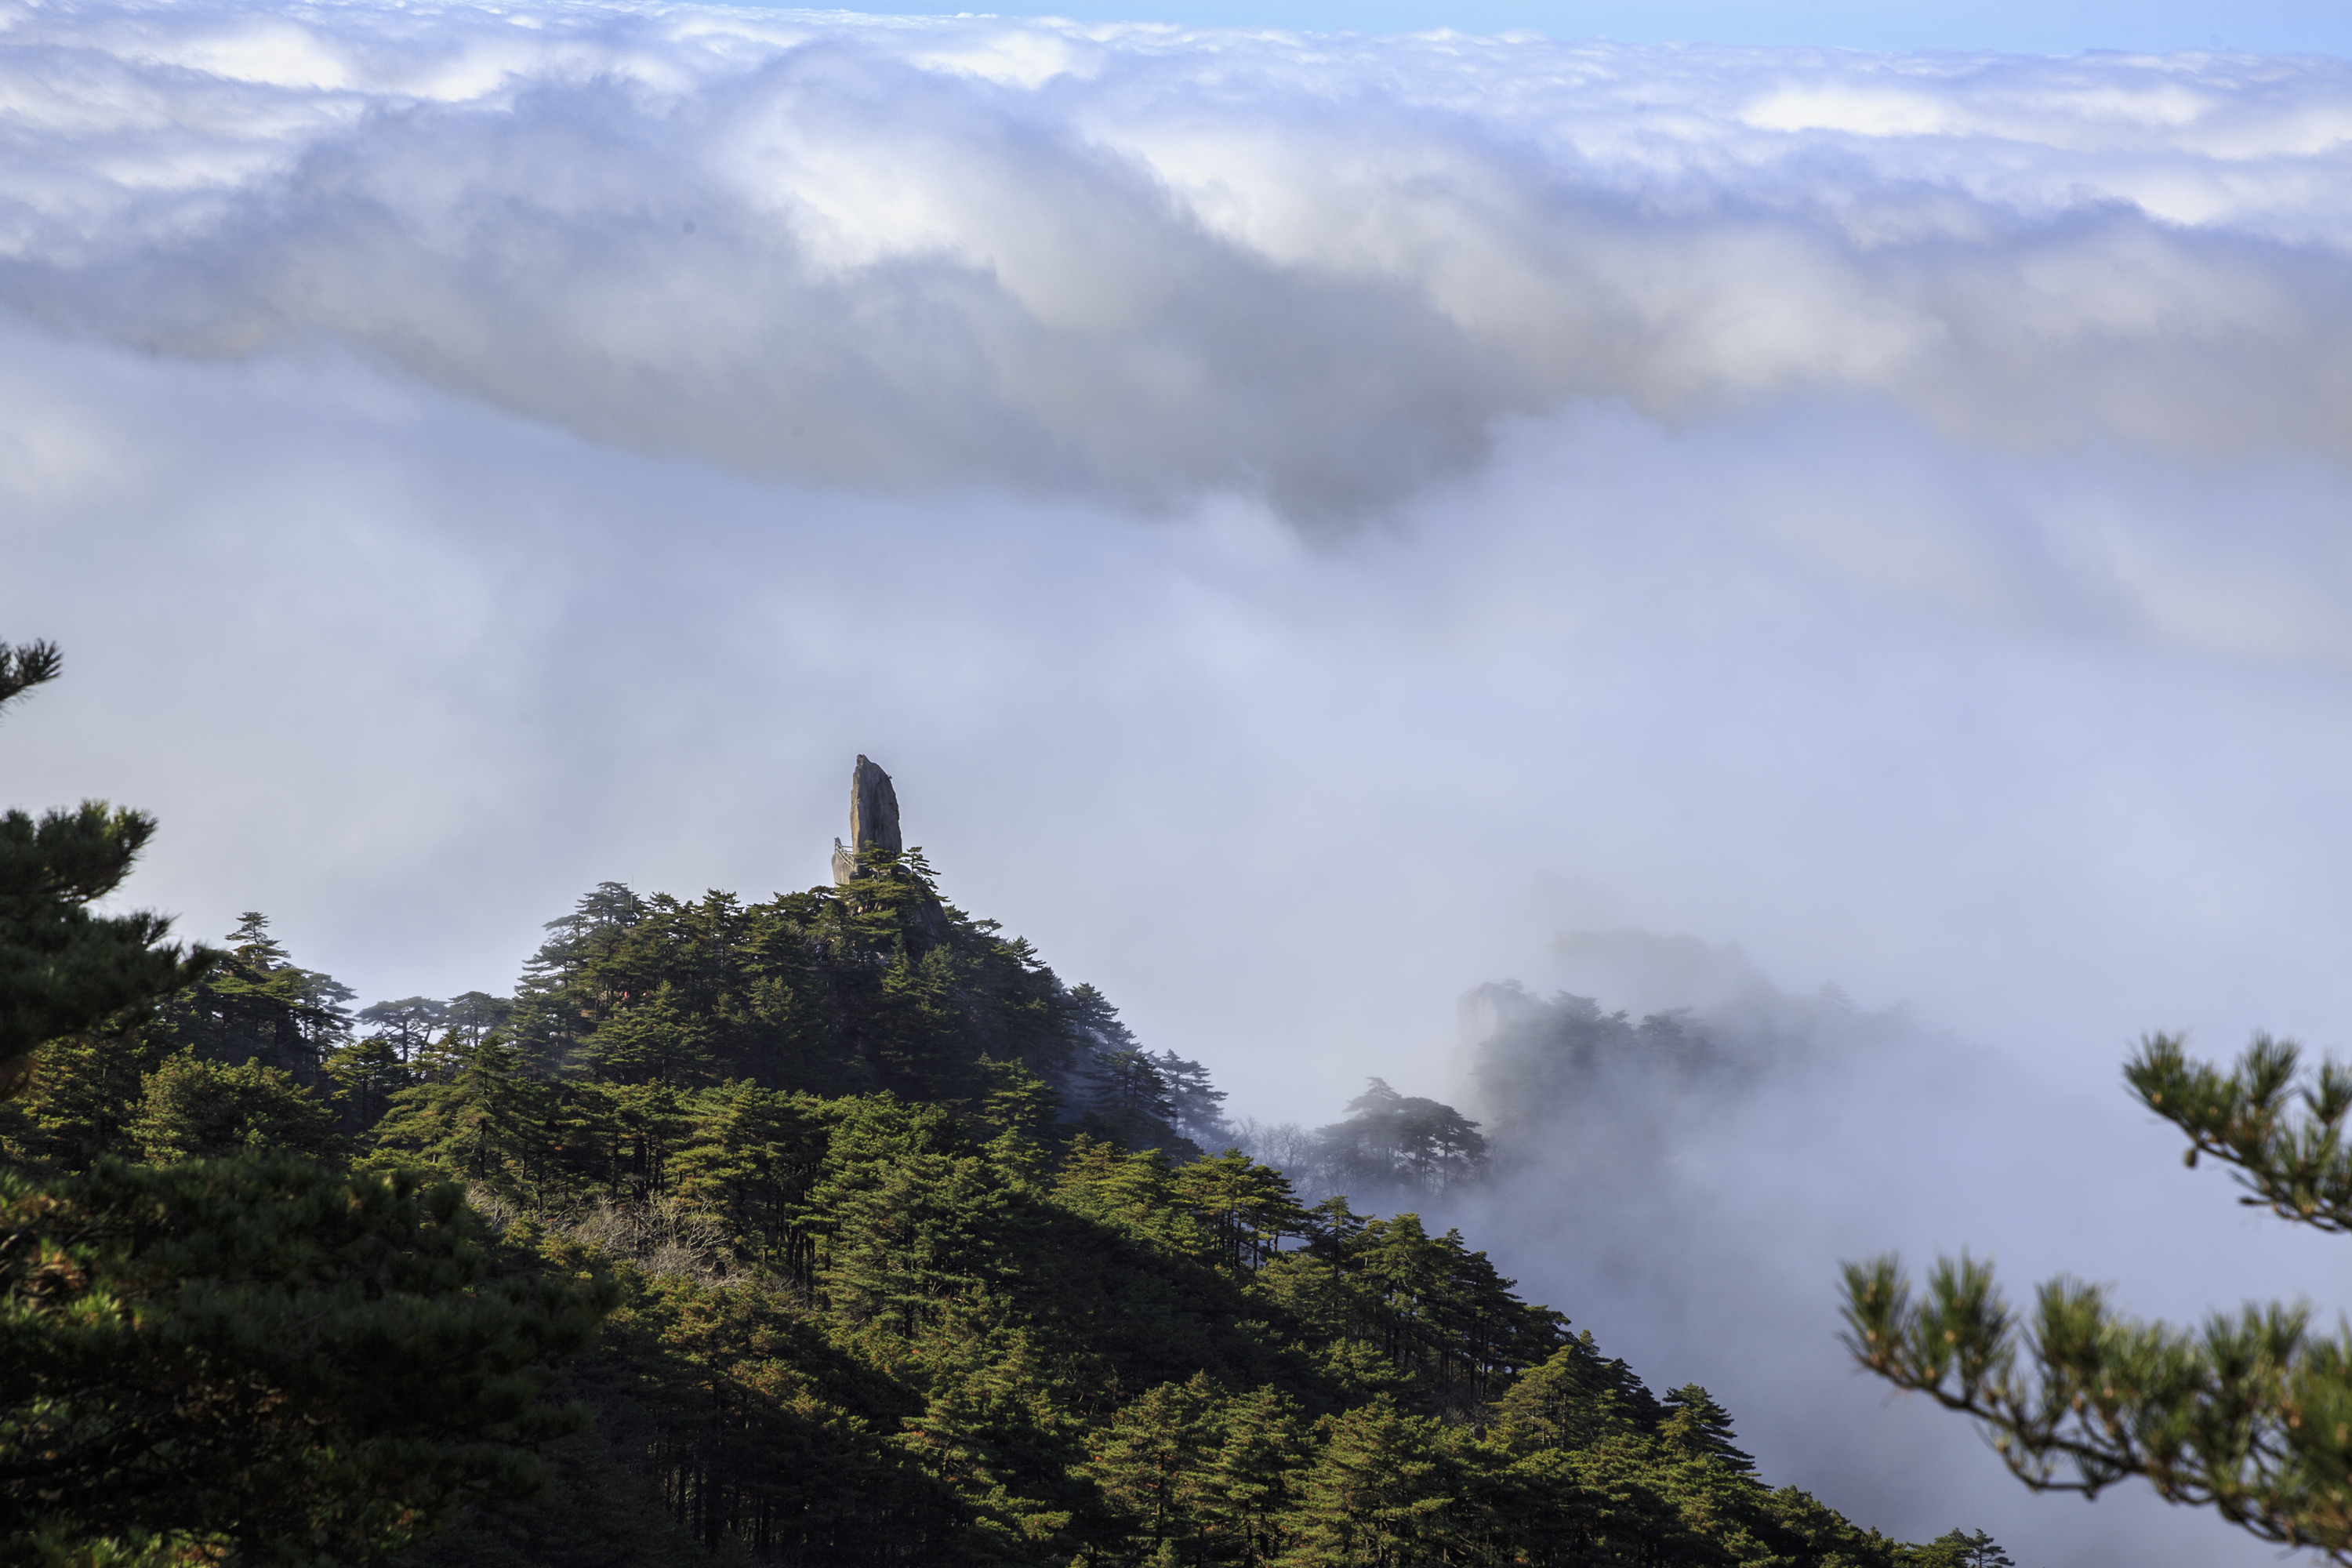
x=1308, y=521
x=1689, y=1191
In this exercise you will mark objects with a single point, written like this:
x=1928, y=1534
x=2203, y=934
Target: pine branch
x=2283, y=1130
x=2250, y=1416
x=25, y=665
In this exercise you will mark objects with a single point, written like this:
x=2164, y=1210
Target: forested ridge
x=912, y=1260
x=832, y=1229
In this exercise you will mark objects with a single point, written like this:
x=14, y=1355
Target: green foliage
x=1430, y=1308
x=818, y=991
x=1957, y=1548
x=594, y=1513
x=1574, y=1400
x=1208, y=1475
x=258, y=1004
x=267, y=1357
x=1128, y=1102
x=261, y=1359
x=749, y=1159
x=62, y=969
x=931, y=1342
x=904, y=1253
x=1195, y=1106
x=1695, y=1424
x=366, y=1074
x=486, y=1122
x=191, y=1108
x=25, y=665
x=912, y=1218
x=122, y=1087
x=2282, y=1132
x=1247, y=1210
x=2250, y=1415
x=1398, y=1142
x=82, y=1096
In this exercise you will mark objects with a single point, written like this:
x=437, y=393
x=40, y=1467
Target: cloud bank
x=1145, y=262
x=1693, y=1196
x=1306, y=519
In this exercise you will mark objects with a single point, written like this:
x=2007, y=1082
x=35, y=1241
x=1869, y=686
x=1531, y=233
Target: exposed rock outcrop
x=873, y=822
x=873, y=808
x=873, y=819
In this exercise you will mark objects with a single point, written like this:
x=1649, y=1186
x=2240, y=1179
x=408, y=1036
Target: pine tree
x=257, y=1002
x=1391, y=1139
x=487, y=1123
x=405, y=1026
x=651, y=1038
x=1126, y=1100
x=261, y=1358
x=1957, y=1548
x=264, y=1356
x=191, y=1108
x=1122, y=1092
x=558, y=1000
x=617, y=1137
x=79, y=1103
x=1194, y=1105
x=1254, y=1480
x=1574, y=1400
x=62, y=969
x=1383, y=1491
x=25, y=665
x=906, y=1215
x=1695, y=1424
x=1247, y=1206
x=1151, y=1462
x=752, y=1156
x=994, y=1432
x=469, y=1019
x=366, y=1073
x=1984, y=1551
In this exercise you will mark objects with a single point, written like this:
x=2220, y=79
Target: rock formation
x=873, y=808
x=873, y=819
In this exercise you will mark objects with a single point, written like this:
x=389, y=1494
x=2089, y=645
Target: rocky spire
x=873, y=819
x=873, y=809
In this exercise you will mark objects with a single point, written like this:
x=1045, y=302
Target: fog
x=1689, y=1218
x=1308, y=522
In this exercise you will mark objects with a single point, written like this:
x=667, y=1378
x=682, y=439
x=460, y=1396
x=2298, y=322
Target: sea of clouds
x=1308, y=521
x=1145, y=262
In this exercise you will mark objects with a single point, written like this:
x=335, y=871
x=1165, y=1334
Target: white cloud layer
x=1886, y=512
x=1147, y=261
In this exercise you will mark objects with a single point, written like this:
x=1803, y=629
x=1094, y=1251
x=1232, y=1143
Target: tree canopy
x=270, y=1356
x=832, y=1229
x=950, y=1321
x=63, y=969
x=261, y=1357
